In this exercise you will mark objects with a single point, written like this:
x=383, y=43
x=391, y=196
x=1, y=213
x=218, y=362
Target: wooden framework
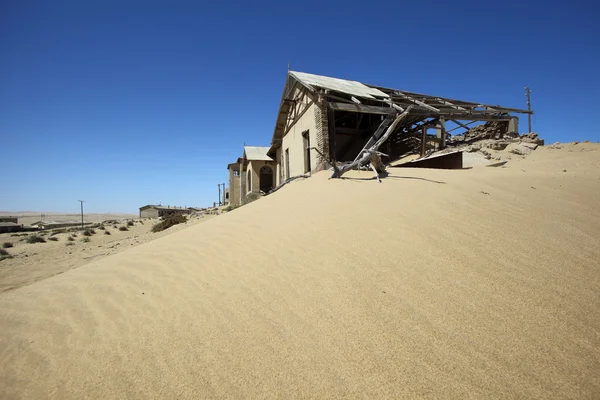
x=418, y=111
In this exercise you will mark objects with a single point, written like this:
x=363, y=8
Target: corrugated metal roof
x=54, y=222
x=256, y=153
x=353, y=88
x=161, y=207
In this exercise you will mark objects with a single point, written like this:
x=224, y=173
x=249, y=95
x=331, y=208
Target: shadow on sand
x=393, y=177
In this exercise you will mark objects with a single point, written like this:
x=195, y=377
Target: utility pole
x=221, y=194
x=528, y=94
x=81, y=201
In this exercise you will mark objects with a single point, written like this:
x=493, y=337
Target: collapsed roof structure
x=351, y=116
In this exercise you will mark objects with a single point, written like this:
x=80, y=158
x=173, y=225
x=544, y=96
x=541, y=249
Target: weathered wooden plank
x=419, y=102
x=369, y=156
x=298, y=117
x=360, y=108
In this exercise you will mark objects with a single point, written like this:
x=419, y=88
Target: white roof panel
x=353, y=88
x=257, y=153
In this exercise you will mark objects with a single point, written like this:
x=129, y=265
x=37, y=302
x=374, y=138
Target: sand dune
x=481, y=283
x=34, y=262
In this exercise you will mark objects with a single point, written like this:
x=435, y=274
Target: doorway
x=266, y=179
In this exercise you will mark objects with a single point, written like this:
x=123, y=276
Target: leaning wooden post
x=364, y=158
x=442, y=133
x=424, y=138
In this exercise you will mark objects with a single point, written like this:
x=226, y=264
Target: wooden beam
x=394, y=105
x=355, y=100
x=419, y=102
x=423, y=140
x=287, y=129
x=360, y=108
x=377, y=134
x=463, y=125
x=463, y=115
x=466, y=103
x=442, y=133
x=338, y=98
x=446, y=102
x=370, y=152
x=487, y=108
x=475, y=117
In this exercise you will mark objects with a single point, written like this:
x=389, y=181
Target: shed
x=10, y=227
x=155, y=211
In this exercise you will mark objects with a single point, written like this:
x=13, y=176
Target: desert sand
x=480, y=283
x=34, y=262
x=29, y=217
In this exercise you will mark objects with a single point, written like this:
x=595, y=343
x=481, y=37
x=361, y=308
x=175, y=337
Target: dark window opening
x=287, y=163
x=306, y=143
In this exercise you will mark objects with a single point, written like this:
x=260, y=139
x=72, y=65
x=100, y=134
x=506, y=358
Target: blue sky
x=128, y=103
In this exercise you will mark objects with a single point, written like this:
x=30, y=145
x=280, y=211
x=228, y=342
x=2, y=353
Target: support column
x=442, y=133
x=513, y=125
x=423, y=141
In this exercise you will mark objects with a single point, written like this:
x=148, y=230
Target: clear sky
x=124, y=103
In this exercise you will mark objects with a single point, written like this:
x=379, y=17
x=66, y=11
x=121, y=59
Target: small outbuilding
x=10, y=227
x=156, y=211
x=14, y=220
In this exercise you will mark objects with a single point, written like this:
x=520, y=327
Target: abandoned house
x=14, y=220
x=234, y=183
x=253, y=172
x=10, y=227
x=323, y=119
x=226, y=197
x=155, y=211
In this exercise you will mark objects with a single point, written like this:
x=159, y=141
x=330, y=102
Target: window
x=236, y=173
x=249, y=181
x=306, y=145
x=287, y=163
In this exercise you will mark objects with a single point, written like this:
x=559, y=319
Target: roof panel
x=257, y=153
x=161, y=207
x=353, y=88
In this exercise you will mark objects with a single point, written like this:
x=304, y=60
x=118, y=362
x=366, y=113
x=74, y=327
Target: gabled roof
x=352, y=88
x=256, y=153
x=355, y=96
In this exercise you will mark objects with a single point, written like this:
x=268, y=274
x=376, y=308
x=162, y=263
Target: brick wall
x=322, y=133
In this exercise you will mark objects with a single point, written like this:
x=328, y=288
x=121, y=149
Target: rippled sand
x=481, y=283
